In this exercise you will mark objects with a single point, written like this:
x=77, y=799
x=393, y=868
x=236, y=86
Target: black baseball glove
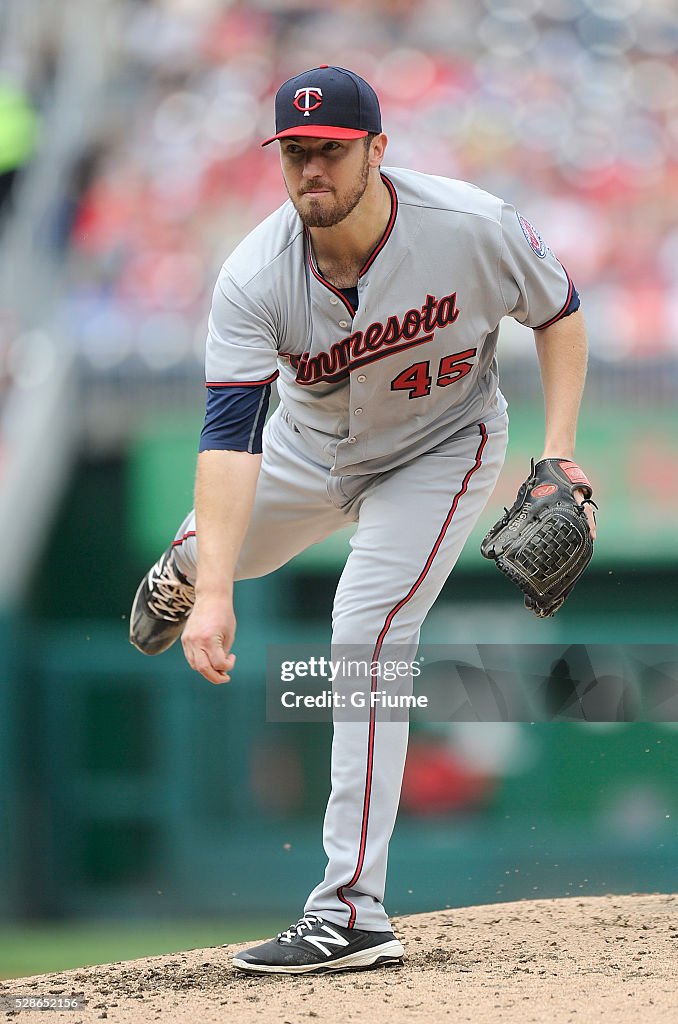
x=543, y=543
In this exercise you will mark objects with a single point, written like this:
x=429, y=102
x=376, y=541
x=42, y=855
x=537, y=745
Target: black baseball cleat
x=162, y=604
x=315, y=946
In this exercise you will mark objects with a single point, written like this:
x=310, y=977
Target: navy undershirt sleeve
x=234, y=419
x=573, y=305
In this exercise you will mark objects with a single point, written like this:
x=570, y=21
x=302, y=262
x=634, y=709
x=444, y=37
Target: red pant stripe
x=375, y=657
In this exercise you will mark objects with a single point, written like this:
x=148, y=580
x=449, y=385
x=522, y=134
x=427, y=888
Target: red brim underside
x=317, y=131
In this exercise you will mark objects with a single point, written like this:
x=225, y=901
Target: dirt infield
x=612, y=958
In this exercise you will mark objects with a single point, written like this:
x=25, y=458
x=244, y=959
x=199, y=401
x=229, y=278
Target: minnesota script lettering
x=416, y=327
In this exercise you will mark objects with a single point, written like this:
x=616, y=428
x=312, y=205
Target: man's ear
x=377, y=150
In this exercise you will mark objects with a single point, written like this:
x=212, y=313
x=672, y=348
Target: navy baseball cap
x=326, y=103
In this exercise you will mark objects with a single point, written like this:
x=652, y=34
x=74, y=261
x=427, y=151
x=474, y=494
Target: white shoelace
x=308, y=921
x=170, y=598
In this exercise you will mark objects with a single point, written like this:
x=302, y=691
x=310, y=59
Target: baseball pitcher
x=372, y=299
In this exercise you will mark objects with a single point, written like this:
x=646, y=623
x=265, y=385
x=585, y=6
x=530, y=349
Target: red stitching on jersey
x=241, y=383
x=389, y=227
x=559, y=315
x=375, y=657
x=180, y=540
x=323, y=280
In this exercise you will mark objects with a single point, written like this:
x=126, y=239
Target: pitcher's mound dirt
x=612, y=959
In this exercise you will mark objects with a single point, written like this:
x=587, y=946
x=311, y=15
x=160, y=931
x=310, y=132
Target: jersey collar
x=370, y=259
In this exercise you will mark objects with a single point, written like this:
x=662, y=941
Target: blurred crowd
x=567, y=108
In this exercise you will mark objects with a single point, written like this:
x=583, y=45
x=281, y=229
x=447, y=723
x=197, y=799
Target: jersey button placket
x=360, y=378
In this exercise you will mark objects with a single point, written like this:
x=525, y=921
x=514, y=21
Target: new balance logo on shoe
x=322, y=943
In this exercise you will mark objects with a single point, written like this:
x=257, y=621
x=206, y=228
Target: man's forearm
x=562, y=351
x=224, y=495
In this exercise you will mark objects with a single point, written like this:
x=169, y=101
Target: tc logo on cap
x=307, y=100
x=342, y=103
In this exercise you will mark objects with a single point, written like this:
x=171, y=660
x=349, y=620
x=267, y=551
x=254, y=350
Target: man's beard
x=322, y=215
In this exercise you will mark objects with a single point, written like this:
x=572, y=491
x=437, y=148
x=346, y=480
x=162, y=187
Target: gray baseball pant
x=412, y=523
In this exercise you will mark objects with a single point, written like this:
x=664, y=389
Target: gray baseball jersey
x=390, y=418
x=416, y=361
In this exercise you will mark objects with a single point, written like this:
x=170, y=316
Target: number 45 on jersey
x=417, y=378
